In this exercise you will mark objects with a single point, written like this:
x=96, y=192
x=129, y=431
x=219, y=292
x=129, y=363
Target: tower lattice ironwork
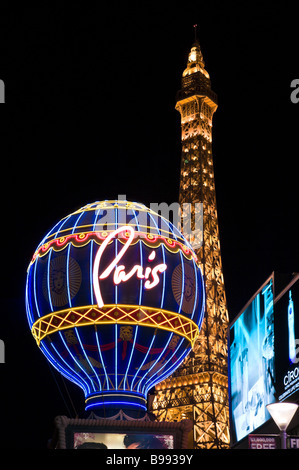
x=198, y=390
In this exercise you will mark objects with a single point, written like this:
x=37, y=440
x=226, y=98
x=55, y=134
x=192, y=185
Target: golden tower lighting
x=198, y=390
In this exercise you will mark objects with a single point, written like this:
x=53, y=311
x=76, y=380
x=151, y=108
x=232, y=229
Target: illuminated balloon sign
x=114, y=299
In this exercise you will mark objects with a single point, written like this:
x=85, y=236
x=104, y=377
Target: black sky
x=89, y=115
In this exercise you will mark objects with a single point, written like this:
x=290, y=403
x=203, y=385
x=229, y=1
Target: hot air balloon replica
x=114, y=300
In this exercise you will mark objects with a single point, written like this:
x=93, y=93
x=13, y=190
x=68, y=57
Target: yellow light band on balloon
x=115, y=314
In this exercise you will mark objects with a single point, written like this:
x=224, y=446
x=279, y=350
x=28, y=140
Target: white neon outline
x=119, y=270
x=57, y=365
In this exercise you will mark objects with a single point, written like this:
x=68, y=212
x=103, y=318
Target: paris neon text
x=120, y=274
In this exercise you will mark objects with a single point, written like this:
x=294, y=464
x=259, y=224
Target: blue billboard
x=286, y=308
x=252, y=364
x=264, y=355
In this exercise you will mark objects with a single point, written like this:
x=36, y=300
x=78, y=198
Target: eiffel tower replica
x=198, y=390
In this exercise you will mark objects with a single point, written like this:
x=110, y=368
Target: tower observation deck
x=198, y=390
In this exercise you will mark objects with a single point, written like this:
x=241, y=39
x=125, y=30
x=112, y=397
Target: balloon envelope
x=114, y=299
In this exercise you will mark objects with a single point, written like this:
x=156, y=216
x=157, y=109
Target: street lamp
x=282, y=414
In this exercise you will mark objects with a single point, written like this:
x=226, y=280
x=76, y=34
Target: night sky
x=90, y=115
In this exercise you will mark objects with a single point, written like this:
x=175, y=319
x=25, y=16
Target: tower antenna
x=195, y=32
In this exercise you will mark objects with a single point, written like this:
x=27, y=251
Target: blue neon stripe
x=150, y=380
x=77, y=221
x=196, y=299
x=141, y=260
x=78, y=363
x=140, y=303
x=145, y=357
x=48, y=279
x=29, y=309
x=141, y=280
x=164, y=275
x=90, y=272
x=116, y=252
x=137, y=405
x=34, y=287
x=62, y=224
x=166, y=374
x=182, y=263
x=153, y=365
x=96, y=216
x=181, y=301
x=129, y=363
x=68, y=275
x=48, y=234
x=87, y=358
x=68, y=262
x=102, y=361
x=183, y=283
x=164, y=272
x=153, y=219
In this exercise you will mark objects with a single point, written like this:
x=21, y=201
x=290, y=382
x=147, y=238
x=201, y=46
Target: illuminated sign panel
x=113, y=306
x=120, y=274
x=252, y=367
x=264, y=356
x=287, y=343
x=119, y=433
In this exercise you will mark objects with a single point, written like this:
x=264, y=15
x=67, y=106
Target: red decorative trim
x=83, y=238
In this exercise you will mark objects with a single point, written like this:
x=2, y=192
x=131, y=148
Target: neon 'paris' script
x=120, y=274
